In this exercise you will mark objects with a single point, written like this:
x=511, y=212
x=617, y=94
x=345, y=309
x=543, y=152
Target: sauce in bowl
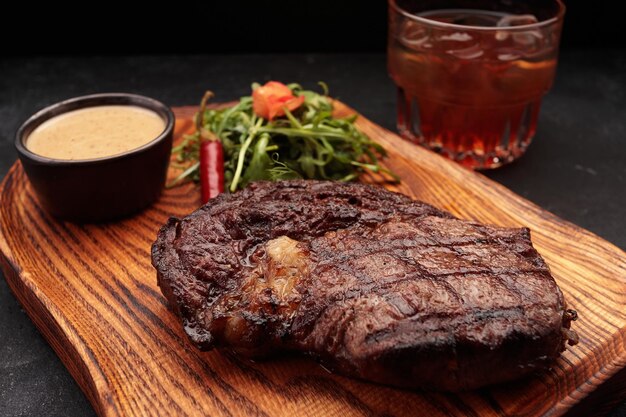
x=95, y=132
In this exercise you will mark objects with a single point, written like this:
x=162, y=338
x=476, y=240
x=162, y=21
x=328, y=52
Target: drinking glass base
x=475, y=160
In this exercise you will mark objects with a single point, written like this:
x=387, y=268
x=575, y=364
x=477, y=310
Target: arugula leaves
x=307, y=143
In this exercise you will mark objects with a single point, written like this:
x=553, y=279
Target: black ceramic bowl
x=102, y=189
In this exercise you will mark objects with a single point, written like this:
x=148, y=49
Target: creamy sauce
x=95, y=132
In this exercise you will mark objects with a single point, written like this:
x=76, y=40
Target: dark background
x=235, y=26
x=575, y=168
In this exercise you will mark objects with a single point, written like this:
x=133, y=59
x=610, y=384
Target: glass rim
x=423, y=20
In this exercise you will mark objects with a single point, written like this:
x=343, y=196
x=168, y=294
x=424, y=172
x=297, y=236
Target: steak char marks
x=371, y=283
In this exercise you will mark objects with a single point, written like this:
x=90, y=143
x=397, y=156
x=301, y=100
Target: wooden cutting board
x=92, y=292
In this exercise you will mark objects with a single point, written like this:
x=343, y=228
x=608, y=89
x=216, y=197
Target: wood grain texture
x=92, y=292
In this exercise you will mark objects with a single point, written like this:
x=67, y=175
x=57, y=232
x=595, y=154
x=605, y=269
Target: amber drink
x=471, y=74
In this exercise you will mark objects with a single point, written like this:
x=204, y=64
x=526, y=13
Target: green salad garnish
x=307, y=142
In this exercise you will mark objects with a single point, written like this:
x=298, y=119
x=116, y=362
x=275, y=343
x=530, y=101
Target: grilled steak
x=371, y=283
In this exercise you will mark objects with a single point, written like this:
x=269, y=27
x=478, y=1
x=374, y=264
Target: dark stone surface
x=576, y=167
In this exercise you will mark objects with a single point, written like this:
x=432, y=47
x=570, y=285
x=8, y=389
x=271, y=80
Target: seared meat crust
x=371, y=283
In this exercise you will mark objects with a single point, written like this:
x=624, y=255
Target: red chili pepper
x=211, y=158
x=211, y=169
